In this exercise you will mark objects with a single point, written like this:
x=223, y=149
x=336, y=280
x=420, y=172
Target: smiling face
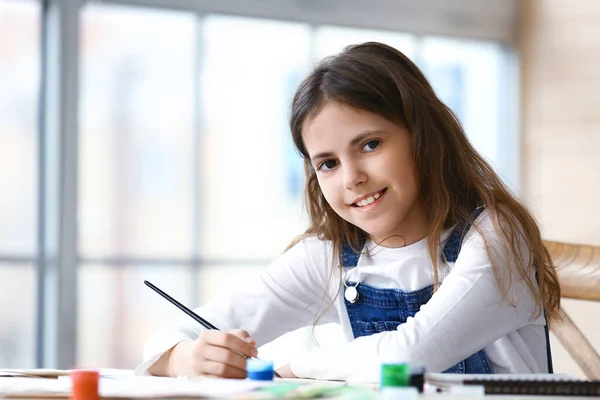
x=365, y=168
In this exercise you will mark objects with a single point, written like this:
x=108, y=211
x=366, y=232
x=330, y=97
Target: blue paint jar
x=259, y=370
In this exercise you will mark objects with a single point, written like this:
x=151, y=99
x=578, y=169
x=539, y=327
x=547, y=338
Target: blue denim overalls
x=377, y=310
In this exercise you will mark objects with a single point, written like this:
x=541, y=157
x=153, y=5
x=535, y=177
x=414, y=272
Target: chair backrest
x=578, y=268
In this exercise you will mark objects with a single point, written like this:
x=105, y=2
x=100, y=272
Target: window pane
x=467, y=77
x=331, y=40
x=117, y=312
x=137, y=130
x=17, y=326
x=252, y=176
x=19, y=88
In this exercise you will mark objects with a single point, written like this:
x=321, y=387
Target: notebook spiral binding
x=538, y=387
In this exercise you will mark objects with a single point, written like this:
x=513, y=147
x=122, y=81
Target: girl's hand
x=286, y=372
x=221, y=353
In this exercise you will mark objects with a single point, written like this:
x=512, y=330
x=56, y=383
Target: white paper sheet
x=132, y=387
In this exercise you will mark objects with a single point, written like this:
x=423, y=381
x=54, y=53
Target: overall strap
x=349, y=256
x=546, y=329
x=548, y=349
x=454, y=242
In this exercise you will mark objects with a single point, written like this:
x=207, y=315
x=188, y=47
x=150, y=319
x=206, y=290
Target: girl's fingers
x=229, y=340
x=244, y=335
x=222, y=354
x=222, y=370
x=225, y=356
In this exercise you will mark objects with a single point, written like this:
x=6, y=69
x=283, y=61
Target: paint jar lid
x=395, y=375
x=259, y=370
x=84, y=384
x=417, y=377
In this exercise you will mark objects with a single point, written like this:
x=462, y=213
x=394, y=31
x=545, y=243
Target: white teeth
x=368, y=200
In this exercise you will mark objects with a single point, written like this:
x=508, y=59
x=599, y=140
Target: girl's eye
x=327, y=165
x=371, y=145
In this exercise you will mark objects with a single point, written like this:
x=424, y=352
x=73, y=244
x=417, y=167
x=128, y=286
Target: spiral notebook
x=520, y=384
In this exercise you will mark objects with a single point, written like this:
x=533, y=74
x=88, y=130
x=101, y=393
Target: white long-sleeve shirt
x=466, y=314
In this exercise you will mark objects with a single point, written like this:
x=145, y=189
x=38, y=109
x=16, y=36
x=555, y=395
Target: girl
x=414, y=246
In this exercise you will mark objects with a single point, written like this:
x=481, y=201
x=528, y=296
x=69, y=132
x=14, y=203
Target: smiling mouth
x=369, y=200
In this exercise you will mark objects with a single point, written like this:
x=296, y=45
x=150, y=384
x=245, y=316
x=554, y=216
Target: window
x=252, y=177
x=19, y=80
x=136, y=186
x=137, y=132
x=330, y=40
x=467, y=76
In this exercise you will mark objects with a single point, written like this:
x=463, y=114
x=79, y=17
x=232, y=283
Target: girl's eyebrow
x=355, y=140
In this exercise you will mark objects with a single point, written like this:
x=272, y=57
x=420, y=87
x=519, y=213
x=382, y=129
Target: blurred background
x=148, y=139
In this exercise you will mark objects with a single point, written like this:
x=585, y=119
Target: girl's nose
x=354, y=175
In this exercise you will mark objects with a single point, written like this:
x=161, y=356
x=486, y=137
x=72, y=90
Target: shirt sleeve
x=288, y=294
x=466, y=313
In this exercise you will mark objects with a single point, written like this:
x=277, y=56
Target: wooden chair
x=578, y=269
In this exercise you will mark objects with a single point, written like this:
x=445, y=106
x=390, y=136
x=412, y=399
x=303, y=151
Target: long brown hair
x=454, y=179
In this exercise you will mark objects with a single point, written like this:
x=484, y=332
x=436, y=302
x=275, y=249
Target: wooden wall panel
x=559, y=43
